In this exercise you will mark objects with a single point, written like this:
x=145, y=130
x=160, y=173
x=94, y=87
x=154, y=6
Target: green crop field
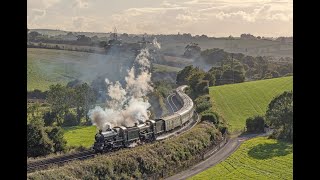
x=80, y=135
x=236, y=102
x=258, y=158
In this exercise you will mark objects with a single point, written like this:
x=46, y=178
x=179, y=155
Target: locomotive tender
x=118, y=137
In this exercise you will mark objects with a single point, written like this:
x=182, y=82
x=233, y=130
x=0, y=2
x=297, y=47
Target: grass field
x=236, y=102
x=164, y=68
x=49, y=66
x=80, y=135
x=258, y=158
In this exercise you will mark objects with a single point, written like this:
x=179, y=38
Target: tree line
x=199, y=81
x=66, y=106
x=243, y=67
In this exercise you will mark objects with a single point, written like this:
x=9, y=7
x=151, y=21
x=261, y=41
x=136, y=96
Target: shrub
x=55, y=134
x=203, y=106
x=210, y=116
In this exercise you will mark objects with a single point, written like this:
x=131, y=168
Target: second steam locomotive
x=121, y=136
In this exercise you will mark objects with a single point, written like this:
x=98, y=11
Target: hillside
x=236, y=102
x=50, y=66
x=258, y=158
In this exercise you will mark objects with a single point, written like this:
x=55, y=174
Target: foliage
x=151, y=160
x=248, y=67
x=192, y=50
x=184, y=74
x=61, y=100
x=56, y=135
x=85, y=97
x=70, y=119
x=258, y=158
x=203, y=106
x=237, y=102
x=38, y=143
x=255, y=124
x=210, y=116
x=49, y=118
x=36, y=94
x=280, y=115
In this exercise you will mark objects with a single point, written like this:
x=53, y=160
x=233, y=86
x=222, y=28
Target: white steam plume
x=156, y=44
x=126, y=106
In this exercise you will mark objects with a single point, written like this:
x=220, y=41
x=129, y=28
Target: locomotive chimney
x=136, y=124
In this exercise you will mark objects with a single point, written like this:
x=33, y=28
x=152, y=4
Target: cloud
x=81, y=3
x=209, y=17
x=35, y=14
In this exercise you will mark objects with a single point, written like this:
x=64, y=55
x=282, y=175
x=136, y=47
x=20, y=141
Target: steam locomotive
x=119, y=137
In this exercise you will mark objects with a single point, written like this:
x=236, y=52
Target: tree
x=34, y=115
x=84, y=98
x=74, y=83
x=55, y=134
x=61, y=100
x=255, y=124
x=211, y=78
x=229, y=75
x=33, y=35
x=83, y=39
x=38, y=143
x=195, y=77
x=192, y=50
x=279, y=115
x=202, y=87
x=183, y=75
x=275, y=74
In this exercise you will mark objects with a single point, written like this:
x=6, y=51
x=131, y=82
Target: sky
x=218, y=18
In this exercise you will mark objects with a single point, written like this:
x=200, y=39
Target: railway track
x=60, y=160
x=42, y=164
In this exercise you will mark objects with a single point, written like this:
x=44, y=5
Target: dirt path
x=231, y=146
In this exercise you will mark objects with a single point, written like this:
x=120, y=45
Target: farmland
x=47, y=66
x=258, y=158
x=80, y=135
x=236, y=102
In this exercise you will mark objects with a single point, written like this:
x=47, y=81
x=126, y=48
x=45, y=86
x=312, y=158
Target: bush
x=55, y=134
x=255, y=124
x=210, y=116
x=203, y=106
x=202, y=98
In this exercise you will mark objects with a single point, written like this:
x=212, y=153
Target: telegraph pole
x=232, y=69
